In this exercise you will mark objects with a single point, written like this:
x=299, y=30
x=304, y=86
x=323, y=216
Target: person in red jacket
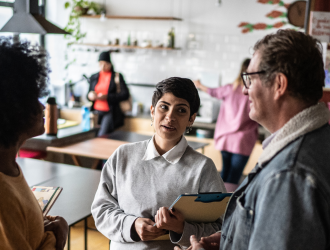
x=105, y=97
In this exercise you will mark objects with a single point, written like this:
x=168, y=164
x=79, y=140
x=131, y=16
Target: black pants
x=106, y=122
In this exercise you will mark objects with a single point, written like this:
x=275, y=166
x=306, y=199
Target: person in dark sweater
x=107, y=89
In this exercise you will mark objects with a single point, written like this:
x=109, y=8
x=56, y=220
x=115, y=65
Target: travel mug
x=51, y=116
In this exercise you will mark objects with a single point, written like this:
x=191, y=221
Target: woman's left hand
x=169, y=220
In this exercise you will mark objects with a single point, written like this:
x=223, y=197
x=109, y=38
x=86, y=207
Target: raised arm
x=200, y=86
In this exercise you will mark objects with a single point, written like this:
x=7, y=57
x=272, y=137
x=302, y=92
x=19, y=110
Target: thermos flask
x=51, y=116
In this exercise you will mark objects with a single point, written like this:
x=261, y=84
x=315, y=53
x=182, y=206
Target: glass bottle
x=172, y=39
x=169, y=39
x=129, y=39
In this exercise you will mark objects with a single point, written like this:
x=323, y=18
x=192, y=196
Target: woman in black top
x=107, y=89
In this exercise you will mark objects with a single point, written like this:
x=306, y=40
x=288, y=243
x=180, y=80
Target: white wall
x=221, y=45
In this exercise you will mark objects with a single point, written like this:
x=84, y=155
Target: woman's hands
x=169, y=220
x=145, y=229
x=59, y=227
x=93, y=96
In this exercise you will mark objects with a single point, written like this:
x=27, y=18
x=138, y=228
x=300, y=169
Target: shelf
x=135, y=17
x=151, y=85
x=125, y=46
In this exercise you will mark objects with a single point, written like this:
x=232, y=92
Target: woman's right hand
x=198, y=83
x=145, y=229
x=92, y=95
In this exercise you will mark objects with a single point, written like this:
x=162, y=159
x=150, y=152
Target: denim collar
x=302, y=123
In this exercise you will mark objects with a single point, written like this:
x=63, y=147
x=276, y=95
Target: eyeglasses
x=247, y=79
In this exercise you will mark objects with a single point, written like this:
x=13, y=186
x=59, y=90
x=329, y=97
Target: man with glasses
x=284, y=202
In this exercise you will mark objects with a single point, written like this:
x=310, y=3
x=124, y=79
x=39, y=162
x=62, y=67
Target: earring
x=152, y=120
x=189, y=129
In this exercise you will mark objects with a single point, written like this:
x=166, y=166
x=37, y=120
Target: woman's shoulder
x=10, y=188
x=96, y=75
x=132, y=148
x=197, y=158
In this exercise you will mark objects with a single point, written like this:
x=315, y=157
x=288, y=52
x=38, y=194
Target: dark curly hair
x=299, y=57
x=23, y=79
x=180, y=87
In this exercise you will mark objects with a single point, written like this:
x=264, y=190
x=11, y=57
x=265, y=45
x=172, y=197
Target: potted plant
x=79, y=8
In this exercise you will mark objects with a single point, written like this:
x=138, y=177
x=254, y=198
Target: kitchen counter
x=64, y=136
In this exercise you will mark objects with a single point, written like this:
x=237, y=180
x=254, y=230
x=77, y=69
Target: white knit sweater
x=131, y=187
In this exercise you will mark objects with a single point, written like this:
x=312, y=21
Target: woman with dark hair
x=107, y=89
x=140, y=180
x=22, y=225
x=235, y=133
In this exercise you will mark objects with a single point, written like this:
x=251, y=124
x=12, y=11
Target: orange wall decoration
x=275, y=14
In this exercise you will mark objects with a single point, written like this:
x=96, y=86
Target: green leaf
x=66, y=5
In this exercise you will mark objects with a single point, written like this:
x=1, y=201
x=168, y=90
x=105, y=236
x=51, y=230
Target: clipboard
x=200, y=208
x=204, y=207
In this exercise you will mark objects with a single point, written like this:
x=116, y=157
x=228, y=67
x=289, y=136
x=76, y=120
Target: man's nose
x=245, y=91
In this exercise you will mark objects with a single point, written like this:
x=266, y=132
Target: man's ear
x=280, y=85
x=152, y=111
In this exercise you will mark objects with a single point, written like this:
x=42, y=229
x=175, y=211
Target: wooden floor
x=95, y=240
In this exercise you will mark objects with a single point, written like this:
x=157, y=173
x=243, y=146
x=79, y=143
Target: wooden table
x=102, y=148
x=96, y=148
x=79, y=188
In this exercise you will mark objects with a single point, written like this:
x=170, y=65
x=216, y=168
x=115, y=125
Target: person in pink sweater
x=235, y=133
x=23, y=79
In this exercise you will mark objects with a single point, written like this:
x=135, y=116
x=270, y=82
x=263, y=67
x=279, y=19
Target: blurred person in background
x=23, y=76
x=107, y=89
x=235, y=133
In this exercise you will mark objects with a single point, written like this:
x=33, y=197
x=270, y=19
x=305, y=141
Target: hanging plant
x=78, y=9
